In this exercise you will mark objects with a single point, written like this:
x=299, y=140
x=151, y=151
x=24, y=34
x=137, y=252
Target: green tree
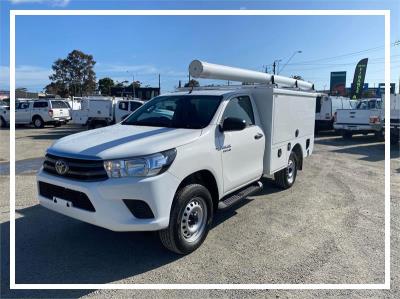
x=57, y=88
x=75, y=73
x=105, y=86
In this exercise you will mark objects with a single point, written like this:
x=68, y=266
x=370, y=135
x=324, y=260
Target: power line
x=396, y=43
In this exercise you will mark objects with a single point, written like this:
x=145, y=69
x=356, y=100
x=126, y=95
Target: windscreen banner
x=338, y=83
x=359, y=78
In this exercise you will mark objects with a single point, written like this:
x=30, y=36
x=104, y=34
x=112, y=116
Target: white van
x=325, y=110
x=103, y=111
x=181, y=156
x=122, y=108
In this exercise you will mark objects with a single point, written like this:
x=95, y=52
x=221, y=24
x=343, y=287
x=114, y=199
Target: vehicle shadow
x=372, y=152
x=22, y=167
x=327, y=133
x=355, y=140
x=53, y=135
x=52, y=248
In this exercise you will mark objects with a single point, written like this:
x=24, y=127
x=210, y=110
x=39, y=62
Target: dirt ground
x=328, y=228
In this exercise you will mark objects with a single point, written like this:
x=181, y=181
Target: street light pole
x=290, y=58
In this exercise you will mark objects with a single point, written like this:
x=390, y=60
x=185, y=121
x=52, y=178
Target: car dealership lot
x=328, y=228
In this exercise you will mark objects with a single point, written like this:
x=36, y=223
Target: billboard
x=338, y=83
x=359, y=78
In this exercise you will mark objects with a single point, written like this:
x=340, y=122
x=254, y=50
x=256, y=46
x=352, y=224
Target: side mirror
x=233, y=124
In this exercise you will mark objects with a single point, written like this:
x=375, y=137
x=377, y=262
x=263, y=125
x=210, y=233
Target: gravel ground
x=328, y=228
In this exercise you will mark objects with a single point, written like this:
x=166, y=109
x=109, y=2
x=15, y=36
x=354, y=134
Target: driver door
x=242, y=151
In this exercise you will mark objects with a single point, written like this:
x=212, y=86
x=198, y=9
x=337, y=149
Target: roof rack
x=201, y=69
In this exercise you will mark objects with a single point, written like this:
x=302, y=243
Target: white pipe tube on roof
x=201, y=69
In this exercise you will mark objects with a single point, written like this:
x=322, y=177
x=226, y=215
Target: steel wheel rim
x=37, y=122
x=193, y=219
x=290, y=171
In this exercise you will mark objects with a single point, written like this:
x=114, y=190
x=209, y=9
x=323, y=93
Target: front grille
x=79, y=169
x=78, y=199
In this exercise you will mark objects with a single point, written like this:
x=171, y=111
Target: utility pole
x=133, y=85
x=274, y=66
x=159, y=83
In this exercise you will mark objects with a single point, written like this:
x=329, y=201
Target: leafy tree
x=75, y=73
x=57, y=88
x=105, y=86
x=192, y=83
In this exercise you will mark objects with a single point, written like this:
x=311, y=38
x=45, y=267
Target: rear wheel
x=3, y=123
x=286, y=177
x=394, y=139
x=38, y=122
x=190, y=220
x=380, y=135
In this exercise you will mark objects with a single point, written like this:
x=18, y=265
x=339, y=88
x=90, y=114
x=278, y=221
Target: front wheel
x=286, y=177
x=190, y=220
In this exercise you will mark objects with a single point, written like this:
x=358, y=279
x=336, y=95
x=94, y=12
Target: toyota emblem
x=61, y=167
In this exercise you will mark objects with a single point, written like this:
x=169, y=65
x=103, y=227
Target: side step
x=231, y=199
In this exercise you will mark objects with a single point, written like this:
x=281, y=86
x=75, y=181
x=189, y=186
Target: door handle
x=258, y=136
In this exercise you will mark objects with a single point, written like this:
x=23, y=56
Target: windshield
x=181, y=111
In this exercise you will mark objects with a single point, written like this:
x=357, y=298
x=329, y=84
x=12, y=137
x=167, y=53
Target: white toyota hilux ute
x=181, y=156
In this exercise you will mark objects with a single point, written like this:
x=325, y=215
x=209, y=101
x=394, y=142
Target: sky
x=145, y=46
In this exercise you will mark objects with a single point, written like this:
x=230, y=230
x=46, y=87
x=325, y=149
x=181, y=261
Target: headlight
x=140, y=166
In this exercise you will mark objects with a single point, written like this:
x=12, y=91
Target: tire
x=57, y=124
x=286, y=177
x=192, y=203
x=38, y=122
x=379, y=135
x=347, y=134
x=3, y=123
x=394, y=139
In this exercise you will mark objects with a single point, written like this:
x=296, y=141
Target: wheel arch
x=297, y=149
x=207, y=179
x=36, y=116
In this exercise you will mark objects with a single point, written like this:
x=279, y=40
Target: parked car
x=181, y=156
x=377, y=120
x=39, y=113
x=356, y=121
x=326, y=107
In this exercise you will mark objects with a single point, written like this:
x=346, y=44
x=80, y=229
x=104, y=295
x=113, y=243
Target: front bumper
x=106, y=197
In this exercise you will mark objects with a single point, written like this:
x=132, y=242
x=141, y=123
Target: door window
x=23, y=105
x=241, y=108
x=40, y=104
